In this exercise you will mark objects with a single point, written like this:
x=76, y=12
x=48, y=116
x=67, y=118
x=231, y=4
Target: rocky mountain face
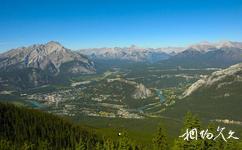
x=217, y=79
x=37, y=64
x=45, y=57
x=132, y=53
x=214, y=97
x=141, y=92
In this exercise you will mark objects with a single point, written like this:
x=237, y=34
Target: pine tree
x=210, y=144
x=160, y=139
x=190, y=122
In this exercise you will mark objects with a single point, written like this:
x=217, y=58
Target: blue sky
x=99, y=23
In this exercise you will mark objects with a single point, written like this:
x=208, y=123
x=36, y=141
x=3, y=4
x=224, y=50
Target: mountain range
x=204, y=54
x=132, y=53
x=41, y=64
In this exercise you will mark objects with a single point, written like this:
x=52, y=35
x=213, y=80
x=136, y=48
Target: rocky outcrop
x=141, y=92
x=227, y=121
x=217, y=77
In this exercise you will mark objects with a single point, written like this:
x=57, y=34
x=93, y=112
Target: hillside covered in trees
x=28, y=129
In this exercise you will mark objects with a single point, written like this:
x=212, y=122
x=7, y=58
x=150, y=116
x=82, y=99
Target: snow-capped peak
x=229, y=44
x=208, y=46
